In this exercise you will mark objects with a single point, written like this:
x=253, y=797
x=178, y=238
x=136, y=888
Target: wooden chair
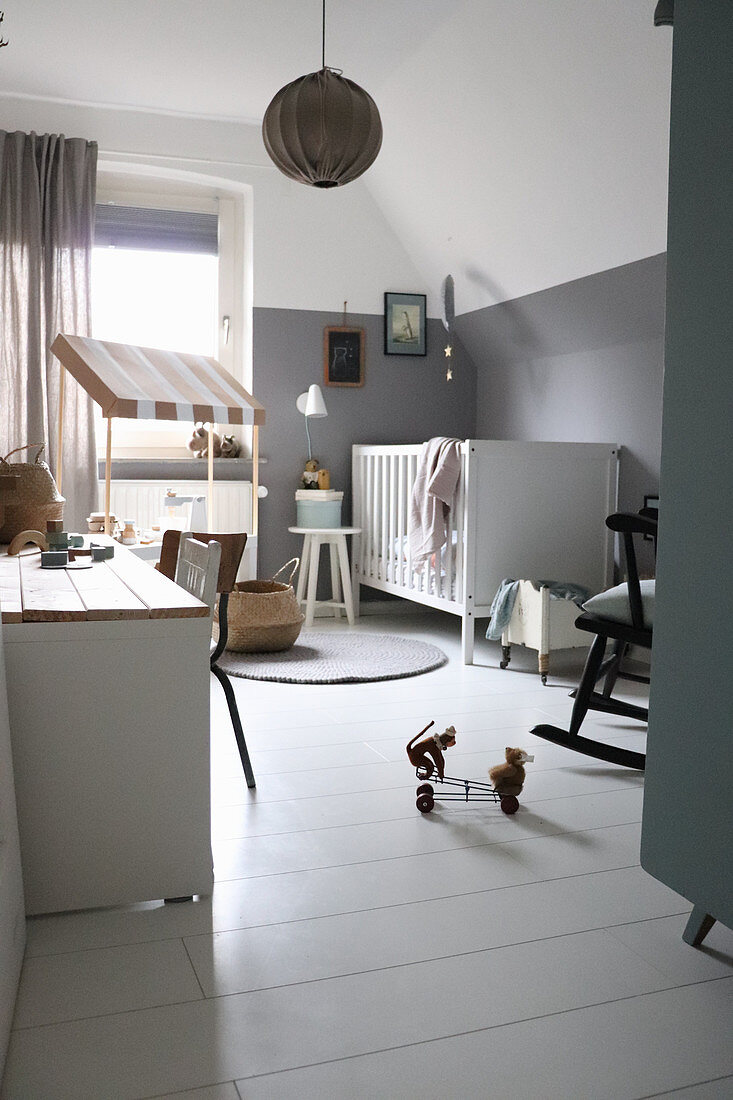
x=197, y=567
x=232, y=548
x=618, y=615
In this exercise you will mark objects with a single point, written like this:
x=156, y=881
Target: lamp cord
x=308, y=435
x=323, y=40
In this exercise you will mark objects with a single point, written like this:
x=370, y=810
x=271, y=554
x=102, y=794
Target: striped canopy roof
x=150, y=384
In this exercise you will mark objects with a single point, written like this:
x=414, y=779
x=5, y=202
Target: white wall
x=526, y=144
x=312, y=249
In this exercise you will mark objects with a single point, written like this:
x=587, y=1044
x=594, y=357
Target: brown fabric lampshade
x=664, y=13
x=322, y=129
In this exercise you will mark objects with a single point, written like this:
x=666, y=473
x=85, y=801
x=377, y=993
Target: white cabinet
x=12, y=909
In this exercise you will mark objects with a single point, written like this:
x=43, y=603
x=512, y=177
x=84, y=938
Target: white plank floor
x=354, y=947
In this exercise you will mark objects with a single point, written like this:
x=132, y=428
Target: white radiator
x=142, y=501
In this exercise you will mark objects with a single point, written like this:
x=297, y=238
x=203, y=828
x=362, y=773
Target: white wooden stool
x=313, y=539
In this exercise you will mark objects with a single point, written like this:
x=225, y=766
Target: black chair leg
x=619, y=649
x=584, y=696
x=236, y=723
x=593, y=662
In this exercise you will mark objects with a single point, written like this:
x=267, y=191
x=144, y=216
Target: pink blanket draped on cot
x=438, y=470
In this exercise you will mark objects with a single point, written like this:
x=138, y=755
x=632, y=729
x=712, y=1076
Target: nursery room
x=363, y=374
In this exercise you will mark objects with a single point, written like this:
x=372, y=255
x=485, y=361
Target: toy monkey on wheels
x=427, y=755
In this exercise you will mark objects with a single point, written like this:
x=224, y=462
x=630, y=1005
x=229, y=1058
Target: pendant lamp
x=322, y=129
x=664, y=14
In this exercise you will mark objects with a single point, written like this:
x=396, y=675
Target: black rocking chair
x=628, y=629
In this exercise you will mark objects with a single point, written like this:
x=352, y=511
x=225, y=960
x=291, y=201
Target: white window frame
x=129, y=439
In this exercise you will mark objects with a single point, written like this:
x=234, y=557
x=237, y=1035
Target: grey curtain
x=47, y=196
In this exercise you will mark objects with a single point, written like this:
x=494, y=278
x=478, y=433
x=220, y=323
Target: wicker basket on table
x=35, y=498
x=264, y=616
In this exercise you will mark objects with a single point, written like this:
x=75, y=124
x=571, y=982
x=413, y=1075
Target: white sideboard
x=12, y=909
x=108, y=699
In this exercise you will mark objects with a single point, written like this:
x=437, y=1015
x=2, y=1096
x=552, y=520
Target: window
x=158, y=280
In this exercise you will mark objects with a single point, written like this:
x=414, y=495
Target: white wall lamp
x=311, y=404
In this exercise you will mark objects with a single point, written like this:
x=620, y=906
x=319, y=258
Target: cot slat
x=401, y=520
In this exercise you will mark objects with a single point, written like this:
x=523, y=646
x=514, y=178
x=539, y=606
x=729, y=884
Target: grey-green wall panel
x=687, y=834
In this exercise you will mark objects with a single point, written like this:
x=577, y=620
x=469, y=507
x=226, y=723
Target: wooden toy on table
x=171, y=386
x=27, y=538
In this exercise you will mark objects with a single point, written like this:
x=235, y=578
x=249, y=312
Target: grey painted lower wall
x=579, y=362
x=405, y=399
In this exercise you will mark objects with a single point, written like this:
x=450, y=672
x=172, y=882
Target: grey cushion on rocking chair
x=613, y=604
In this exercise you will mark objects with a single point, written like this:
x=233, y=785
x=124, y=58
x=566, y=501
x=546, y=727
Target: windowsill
x=179, y=469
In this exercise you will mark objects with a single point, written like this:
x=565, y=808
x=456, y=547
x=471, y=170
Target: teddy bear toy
x=199, y=442
x=309, y=480
x=509, y=778
x=230, y=447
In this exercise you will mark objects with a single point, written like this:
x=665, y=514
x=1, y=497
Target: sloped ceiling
x=525, y=140
x=526, y=144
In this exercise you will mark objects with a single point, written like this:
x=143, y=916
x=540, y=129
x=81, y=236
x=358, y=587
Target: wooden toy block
x=57, y=542
x=76, y=541
x=53, y=559
x=26, y=538
x=102, y=553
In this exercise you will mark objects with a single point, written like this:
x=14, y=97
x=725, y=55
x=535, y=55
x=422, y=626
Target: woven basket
x=264, y=616
x=36, y=499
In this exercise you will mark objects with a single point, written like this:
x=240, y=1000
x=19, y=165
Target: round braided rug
x=337, y=658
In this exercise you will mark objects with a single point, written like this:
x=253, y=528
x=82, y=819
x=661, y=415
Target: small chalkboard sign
x=343, y=356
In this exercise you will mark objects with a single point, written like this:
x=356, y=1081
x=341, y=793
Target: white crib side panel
x=460, y=525
x=537, y=511
x=383, y=477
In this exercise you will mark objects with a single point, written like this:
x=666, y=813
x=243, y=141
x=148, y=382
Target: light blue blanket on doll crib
x=502, y=605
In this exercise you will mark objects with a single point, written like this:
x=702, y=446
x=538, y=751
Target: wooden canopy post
x=255, y=478
x=210, y=501
x=60, y=438
x=108, y=479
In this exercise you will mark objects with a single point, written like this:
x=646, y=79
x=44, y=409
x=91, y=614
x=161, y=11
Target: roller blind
x=158, y=230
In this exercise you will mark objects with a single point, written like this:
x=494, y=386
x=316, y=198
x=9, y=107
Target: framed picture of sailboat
x=405, y=329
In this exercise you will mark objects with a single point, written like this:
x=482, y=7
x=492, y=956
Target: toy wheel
x=423, y=772
x=509, y=804
x=503, y=664
x=425, y=788
x=425, y=803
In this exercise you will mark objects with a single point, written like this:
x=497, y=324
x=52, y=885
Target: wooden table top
x=122, y=588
